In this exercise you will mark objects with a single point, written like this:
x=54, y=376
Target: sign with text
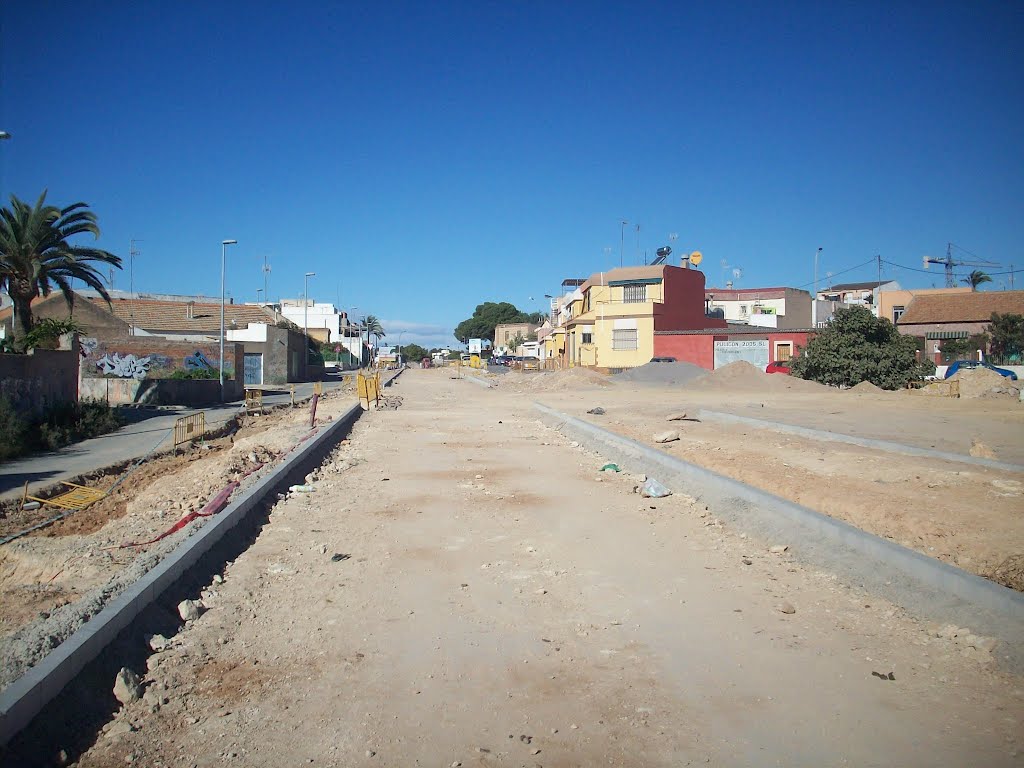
x=754, y=351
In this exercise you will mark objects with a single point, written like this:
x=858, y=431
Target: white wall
x=253, y=332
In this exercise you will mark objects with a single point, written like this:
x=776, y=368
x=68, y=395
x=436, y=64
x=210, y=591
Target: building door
x=253, y=368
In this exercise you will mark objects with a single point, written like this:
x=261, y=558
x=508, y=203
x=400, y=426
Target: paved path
x=494, y=601
x=148, y=428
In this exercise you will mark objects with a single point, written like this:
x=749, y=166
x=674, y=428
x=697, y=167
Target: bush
x=59, y=426
x=857, y=346
x=196, y=373
x=13, y=431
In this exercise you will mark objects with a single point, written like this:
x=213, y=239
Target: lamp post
x=223, y=262
x=814, y=298
x=305, y=302
x=258, y=292
x=400, y=334
x=622, y=239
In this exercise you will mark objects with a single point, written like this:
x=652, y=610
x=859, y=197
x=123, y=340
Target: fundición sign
x=754, y=351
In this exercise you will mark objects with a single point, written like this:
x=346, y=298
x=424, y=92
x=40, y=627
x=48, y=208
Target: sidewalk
x=149, y=429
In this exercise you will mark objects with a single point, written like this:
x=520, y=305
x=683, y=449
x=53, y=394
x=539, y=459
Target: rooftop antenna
x=266, y=275
x=638, y=242
x=737, y=273
x=132, y=253
x=725, y=266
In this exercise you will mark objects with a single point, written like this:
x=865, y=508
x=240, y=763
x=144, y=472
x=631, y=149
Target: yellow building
x=613, y=322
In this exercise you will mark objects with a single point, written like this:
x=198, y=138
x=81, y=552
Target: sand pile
x=661, y=374
x=981, y=382
x=741, y=376
x=553, y=381
x=974, y=383
x=867, y=388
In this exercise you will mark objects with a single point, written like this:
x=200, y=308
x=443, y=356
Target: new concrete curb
x=925, y=586
x=478, y=382
x=864, y=442
x=25, y=698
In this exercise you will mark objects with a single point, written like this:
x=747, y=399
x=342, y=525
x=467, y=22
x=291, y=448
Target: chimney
x=190, y=310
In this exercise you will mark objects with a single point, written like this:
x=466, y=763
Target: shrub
x=196, y=373
x=857, y=346
x=59, y=425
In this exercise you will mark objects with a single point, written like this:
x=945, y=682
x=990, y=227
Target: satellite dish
x=696, y=258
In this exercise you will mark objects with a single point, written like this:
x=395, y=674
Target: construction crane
x=949, y=262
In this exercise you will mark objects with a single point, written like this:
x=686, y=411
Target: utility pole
x=132, y=253
x=622, y=238
x=878, y=290
x=266, y=275
x=814, y=298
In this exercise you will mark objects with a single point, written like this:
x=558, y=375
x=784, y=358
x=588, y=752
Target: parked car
x=962, y=365
x=777, y=367
x=663, y=360
x=498, y=360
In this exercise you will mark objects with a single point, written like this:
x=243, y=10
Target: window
x=897, y=313
x=624, y=338
x=588, y=338
x=743, y=309
x=783, y=351
x=634, y=293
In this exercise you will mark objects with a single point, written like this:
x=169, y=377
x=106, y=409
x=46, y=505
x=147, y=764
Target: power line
x=836, y=274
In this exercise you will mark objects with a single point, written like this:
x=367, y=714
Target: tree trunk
x=21, y=297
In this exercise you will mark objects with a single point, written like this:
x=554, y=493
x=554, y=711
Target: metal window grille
x=624, y=338
x=588, y=338
x=634, y=293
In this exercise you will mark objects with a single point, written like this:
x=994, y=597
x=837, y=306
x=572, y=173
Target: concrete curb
x=25, y=697
x=478, y=382
x=925, y=586
x=864, y=442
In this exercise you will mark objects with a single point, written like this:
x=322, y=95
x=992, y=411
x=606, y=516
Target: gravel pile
x=661, y=374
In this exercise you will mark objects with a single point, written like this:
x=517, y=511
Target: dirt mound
x=981, y=382
x=741, y=376
x=662, y=374
x=974, y=383
x=553, y=381
x=867, y=388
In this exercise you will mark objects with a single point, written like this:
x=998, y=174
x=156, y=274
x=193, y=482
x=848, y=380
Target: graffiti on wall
x=140, y=359
x=125, y=367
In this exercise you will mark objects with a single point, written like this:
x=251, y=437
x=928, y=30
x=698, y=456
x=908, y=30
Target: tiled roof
x=974, y=307
x=155, y=316
x=746, y=294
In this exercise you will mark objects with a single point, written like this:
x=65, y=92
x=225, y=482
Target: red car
x=777, y=367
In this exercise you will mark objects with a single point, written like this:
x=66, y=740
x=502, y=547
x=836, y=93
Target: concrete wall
x=136, y=369
x=39, y=380
x=284, y=358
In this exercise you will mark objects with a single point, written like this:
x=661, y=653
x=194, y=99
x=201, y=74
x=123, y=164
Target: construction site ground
x=464, y=587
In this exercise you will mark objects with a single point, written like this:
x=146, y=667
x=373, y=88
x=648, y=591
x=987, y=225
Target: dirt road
x=465, y=588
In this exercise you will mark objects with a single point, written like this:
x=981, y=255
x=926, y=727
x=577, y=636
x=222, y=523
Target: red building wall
x=683, y=308
x=699, y=348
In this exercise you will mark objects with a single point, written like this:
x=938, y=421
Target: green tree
x=373, y=329
x=857, y=346
x=36, y=255
x=964, y=349
x=1007, y=334
x=516, y=342
x=488, y=316
x=976, y=278
x=413, y=353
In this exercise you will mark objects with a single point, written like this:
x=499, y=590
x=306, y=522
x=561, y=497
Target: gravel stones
x=189, y=610
x=127, y=686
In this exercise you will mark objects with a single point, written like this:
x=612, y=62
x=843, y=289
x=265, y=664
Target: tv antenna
x=265, y=269
x=132, y=253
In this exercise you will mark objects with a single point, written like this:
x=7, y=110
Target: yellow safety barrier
x=368, y=388
x=79, y=497
x=188, y=428
x=253, y=400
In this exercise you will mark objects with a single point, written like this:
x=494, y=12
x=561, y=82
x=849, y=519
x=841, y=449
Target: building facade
x=766, y=307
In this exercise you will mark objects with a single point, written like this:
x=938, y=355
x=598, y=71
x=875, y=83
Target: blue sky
x=424, y=157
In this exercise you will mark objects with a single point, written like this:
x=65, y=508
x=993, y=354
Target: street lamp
x=814, y=298
x=305, y=302
x=400, y=334
x=258, y=292
x=223, y=262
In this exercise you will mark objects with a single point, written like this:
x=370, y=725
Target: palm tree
x=976, y=278
x=35, y=255
x=373, y=328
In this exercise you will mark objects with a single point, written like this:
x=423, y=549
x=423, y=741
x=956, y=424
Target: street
x=465, y=587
